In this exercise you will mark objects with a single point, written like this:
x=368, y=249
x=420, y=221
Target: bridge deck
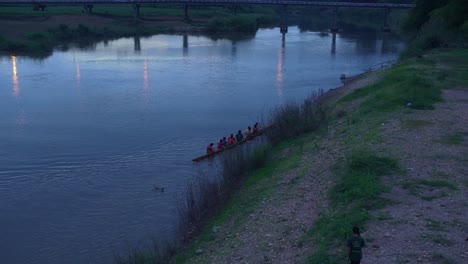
x=248, y=2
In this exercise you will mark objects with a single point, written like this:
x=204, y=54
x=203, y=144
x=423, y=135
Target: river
x=86, y=133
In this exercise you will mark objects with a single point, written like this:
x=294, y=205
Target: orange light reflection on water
x=77, y=74
x=15, y=77
x=145, y=76
x=279, y=72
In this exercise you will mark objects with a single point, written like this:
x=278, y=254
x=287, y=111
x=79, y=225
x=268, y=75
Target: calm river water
x=84, y=134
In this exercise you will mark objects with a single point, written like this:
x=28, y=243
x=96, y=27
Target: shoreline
x=37, y=34
x=299, y=215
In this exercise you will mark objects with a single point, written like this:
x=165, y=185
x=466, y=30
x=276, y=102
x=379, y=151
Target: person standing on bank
x=355, y=245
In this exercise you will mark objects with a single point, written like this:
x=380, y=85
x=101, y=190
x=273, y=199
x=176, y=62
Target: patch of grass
x=438, y=183
x=440, y=258
x=357, y=190
x=465, y=182
x=384, y=215
x=435, y=225
x=431, y=183
x=409, y=82
x=419, y=188
x=433, y=197
x=402, y=260
x=440, y=174
x=438, y=239
x=454, y=139
x=455, y=62
x=413, y=124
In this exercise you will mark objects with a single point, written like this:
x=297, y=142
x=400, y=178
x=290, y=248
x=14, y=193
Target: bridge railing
x=264, y=2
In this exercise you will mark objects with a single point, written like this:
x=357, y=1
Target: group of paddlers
x=249, y=132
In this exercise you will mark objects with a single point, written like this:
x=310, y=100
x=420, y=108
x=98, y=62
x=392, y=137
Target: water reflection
x=137, y=44
x=145, y=93
x=333, y=47
x=185, y=44
x=145, y=76
x=77, y=74
x=15, y=77
x=233, y=48
x=21, y=119
x=279, y=71
x=389, y=44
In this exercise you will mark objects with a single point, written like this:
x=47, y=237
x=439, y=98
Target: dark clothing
x=355, y=244
x=355, y=261
x=239, y=137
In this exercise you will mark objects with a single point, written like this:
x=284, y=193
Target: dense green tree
x=419, y=15
x=437, y=23
x=455, y=13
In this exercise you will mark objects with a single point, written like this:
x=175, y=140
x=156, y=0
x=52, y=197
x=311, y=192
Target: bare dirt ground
x=427, y=222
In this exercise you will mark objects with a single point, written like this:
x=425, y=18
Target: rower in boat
x=231, y=140
x=209, y=149
x=248, y=132
x=220, y=144
x=239, y=136
x=225, y=143
x=256, y=128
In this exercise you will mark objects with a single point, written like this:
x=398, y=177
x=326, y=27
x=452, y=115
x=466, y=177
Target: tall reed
x=293, y=119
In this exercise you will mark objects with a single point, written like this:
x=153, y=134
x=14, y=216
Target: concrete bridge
x=136, y=4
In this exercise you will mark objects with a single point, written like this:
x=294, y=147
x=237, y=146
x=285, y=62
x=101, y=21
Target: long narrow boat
x=231, y=146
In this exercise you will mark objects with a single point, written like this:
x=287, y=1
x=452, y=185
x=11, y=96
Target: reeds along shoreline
x=293, y=119
x=206, y=195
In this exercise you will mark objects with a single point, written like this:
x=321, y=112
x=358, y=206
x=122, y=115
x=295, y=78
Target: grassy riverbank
x=301, y=206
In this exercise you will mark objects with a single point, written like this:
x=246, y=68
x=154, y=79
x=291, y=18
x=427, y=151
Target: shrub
x=293, y=119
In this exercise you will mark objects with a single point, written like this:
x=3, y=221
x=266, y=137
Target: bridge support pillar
x=88, y=8
x=386, y=27
x=334, y=27
x=136, y=8
x=186, y=13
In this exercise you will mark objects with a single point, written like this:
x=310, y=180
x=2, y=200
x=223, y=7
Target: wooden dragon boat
x=212, y=154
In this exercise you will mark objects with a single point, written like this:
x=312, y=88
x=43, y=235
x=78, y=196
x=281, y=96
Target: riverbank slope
x=391, y=160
